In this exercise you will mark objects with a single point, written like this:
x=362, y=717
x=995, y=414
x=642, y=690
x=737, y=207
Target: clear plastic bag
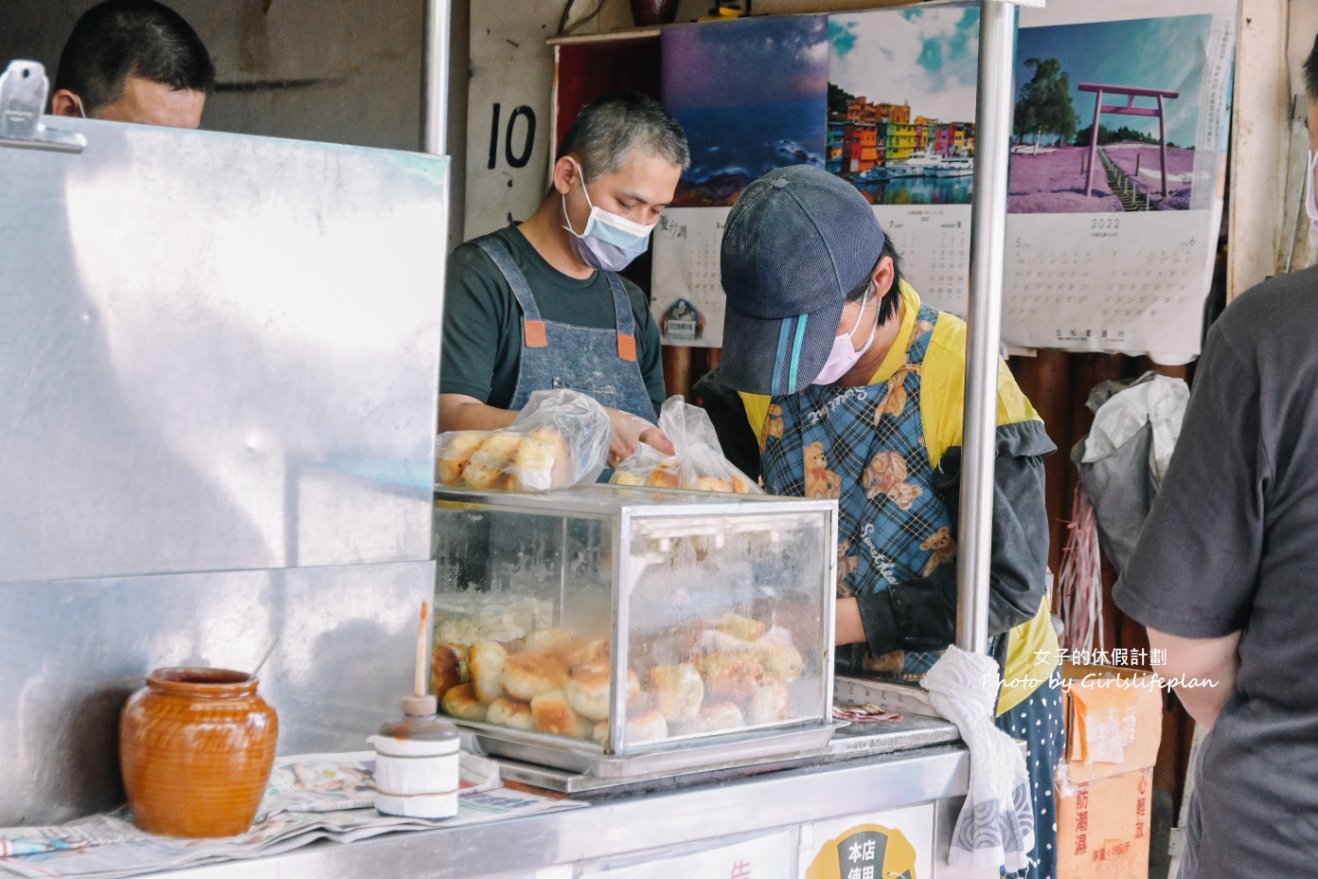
x=560, y=438
x=698, y=463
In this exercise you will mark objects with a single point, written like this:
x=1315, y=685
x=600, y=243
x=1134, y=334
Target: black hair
x=892, y=296
x=1311, y=72
x=608, y=128
x=142, y=38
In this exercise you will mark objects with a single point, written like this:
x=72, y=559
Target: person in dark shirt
x=540, y=304
x=133, y=61
x=1225, y=576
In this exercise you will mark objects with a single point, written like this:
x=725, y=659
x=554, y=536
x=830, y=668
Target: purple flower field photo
x=1053, y=180
x=1122, y=94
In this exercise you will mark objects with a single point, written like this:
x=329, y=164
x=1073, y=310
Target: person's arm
x=920, y=614
x=848, y=627
x=1192, y=578
x=1205, y=666
x=462, y=412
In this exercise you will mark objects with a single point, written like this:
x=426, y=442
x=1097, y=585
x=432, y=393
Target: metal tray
x=861, y=739
x=850, y=741
x=546, y=750
x=904, y=699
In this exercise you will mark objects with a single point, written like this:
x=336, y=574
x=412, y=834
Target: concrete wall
x=1268, y=228
x=343, y=71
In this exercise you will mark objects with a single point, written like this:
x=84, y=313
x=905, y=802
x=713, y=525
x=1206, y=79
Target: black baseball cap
x=797, y=243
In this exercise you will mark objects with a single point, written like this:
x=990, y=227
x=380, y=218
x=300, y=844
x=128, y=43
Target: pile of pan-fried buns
x=733, y=673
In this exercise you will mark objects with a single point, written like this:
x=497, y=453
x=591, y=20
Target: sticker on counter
x=869, y=851
x=890, y=845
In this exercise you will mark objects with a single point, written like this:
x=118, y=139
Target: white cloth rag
x=996, y=825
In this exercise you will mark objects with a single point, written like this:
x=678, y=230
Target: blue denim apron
x=598, y=362
x=892, y=528
x=866, y=447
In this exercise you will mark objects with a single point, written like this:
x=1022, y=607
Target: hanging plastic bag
x=1152, y=402
x=1121, y=464
x=698, y=463
x=1122, y=460
x=560, y=438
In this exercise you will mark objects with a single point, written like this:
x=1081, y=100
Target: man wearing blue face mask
x=540, y=304
x=855, y=390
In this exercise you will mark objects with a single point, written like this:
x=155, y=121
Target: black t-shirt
x=1232, y=544
x=483, y=322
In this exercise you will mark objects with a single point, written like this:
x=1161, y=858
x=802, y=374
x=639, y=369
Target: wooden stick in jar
x=421, y=664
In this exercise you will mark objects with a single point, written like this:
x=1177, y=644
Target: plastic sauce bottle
x=416, y=763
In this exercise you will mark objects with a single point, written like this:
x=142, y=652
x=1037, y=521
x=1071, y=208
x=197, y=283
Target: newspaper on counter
x=309, y=797
x=334, y=782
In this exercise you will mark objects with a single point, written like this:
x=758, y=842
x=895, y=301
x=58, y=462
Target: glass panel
x=522, y=600
x=726, y=607
x=726, y=622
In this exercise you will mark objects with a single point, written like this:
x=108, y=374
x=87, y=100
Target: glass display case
x=622, y=631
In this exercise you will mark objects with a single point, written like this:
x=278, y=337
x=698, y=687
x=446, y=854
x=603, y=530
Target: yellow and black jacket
x=893, y=456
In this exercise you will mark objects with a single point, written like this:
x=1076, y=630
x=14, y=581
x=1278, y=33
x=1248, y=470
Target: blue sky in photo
x=1164, y=53
x=925, y=57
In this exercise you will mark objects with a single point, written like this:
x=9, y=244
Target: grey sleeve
x=1195, y=569
x=921, y=614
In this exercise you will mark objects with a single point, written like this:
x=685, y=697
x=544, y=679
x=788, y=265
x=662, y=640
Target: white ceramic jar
x=417, y=763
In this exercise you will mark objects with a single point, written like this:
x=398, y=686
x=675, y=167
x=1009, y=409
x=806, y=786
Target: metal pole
x=435, y=83
x=988, y=237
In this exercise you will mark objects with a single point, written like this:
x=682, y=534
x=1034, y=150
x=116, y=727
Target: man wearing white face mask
x=855, y=389
x=541, y=305
x=1223, y=576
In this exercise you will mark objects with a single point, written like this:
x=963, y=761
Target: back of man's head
x=121, y=38
x=608, y=129
x=1311, y=72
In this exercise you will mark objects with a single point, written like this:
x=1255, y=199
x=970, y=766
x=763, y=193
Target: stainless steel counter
x=615, y=826
x=217, y=421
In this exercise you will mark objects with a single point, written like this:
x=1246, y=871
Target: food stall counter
x=776, y=823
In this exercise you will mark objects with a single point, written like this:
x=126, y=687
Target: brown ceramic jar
x=196, y=746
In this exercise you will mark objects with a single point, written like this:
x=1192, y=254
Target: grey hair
x=610, y=128
x=1311, y=72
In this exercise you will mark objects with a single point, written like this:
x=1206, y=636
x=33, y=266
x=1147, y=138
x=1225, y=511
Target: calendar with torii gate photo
x=1116, y=170
x=1116, y=176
